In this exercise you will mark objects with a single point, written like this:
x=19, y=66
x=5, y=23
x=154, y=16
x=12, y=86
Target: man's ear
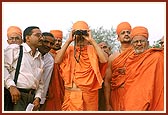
x=28, y=38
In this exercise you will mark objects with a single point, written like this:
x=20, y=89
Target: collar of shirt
x=28, y=50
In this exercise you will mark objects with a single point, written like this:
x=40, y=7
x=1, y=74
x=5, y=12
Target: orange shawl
x=88, y=83
x=144, y=87
x=118, y=72
x=56, y=90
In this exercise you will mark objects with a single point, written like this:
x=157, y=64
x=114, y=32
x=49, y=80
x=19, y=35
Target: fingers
x=15, y=94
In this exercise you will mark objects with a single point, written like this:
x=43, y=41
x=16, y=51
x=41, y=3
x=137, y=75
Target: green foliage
x=156, y=44
x=100, y=34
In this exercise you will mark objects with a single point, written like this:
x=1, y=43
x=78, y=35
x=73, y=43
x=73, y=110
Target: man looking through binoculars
x=79, y=68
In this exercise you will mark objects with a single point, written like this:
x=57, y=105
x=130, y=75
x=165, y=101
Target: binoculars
x=81, y=32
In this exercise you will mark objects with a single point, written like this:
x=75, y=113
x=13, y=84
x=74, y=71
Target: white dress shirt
x=48, y=69
x=31, y=69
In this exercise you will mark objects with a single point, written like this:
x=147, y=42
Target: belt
x=30, y=91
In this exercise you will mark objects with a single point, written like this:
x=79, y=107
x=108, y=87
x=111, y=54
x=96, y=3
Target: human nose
x=139, y=42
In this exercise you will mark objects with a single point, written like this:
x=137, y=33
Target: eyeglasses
x=46, y=42
x=15, y=38
x=137, y=41
x=123, y=32
x=39, y=35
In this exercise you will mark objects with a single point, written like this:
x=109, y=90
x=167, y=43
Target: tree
x=100, y=34
x=156, y=44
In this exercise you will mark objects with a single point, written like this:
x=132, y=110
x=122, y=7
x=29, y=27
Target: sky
x=62, y=15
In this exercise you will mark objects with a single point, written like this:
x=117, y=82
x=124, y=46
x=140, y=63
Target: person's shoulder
x=48, y=58
x=114, y=55
x=155, y=53
x=49, y=55
x=12, y=47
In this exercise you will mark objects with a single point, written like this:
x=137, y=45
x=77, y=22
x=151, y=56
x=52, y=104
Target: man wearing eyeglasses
x=113, y=81
x=29, y=86
x=144, y=85
x=14, y=34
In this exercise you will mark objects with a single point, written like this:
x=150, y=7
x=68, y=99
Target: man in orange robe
x=56, y=86
x=113, y=80
x=144, y=78
x=79, y=68
x=107, y=49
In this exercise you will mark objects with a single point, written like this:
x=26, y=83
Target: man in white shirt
x=29, y=86
x=47, y=44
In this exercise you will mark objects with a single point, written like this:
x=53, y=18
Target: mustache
x=126, y=36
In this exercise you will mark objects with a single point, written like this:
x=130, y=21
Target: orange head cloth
x=80, y=25
x=56, y=33
x=139, y=31
x=123, y=26
x=14, y=29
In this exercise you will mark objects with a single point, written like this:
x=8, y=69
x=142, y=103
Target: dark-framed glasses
x=39, y=35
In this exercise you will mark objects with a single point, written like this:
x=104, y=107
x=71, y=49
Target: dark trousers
x=8, y=105
x=24, y=100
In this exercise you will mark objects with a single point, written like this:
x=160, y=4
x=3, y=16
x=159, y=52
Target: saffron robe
x=144, y=86
x=86, y=76
x=118, y=72
x=56, y=90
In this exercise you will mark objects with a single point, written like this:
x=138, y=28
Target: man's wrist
x=12, y=86
x=37, y=98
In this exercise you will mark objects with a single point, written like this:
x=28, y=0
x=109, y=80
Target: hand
x=89, y=37
x=15, y=94
x=71, y=38
x=108, y=108
x=36, y=103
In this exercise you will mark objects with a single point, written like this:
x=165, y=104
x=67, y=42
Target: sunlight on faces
x=104, y=47
x=124, y=36
x=47, y=44
x=140, y=44
x=14, y=38
x=37, y=37
x=58, y=43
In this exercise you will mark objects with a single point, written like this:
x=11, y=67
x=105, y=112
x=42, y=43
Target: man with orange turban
x=144, y=78
x=14, y=35
x=58, y=38
x=113, y=80
x=107, y=49
x=79, y=68
x=56, y=87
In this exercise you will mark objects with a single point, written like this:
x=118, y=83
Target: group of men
x=85, y=76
